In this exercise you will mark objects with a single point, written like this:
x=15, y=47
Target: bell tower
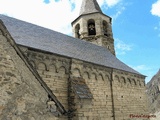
x=93, y=26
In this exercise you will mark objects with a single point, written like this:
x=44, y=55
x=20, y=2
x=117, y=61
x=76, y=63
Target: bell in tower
x=93, y=26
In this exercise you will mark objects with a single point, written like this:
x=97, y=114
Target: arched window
x=105, y=27
x=77, y=28
x=91, y=27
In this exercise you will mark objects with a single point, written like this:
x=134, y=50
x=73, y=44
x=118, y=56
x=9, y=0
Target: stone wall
x=54, y=70
x=21, y=95
x=115, y=94
x=129, y=95
x=98, y=80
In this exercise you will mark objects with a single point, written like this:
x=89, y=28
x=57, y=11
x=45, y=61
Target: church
x=47, y=75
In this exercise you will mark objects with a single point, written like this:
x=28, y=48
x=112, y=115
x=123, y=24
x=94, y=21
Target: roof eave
x=48, y=52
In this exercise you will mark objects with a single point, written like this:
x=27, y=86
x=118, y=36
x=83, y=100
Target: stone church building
x=47, y=75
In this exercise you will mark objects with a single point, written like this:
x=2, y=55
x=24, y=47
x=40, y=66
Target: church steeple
x=89, y=6
x=94, y=26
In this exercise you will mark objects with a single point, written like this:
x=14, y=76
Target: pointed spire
x=89, y=6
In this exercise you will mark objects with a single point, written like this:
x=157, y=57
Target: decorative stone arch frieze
x=33, y=63
x=100, y=77
x=123, y=80
x=41, y=66
x=52, y=68
x=143, y=83
x=96, y=72
x=93, y=76
x=62, y=70
x=40, y=57
x=107, y=78
x=107, y=74
x=89, y=69
x=76, y=72
x=31, y=55
x=138, y=82
x=116, y=79
x=128, y=81
x=86, y=75
x=134, y=82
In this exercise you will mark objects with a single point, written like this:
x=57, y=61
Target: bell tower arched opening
x=105, y=27
x=77, y=29
x=91, y=27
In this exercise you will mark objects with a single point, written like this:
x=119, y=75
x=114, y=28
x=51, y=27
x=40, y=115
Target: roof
x=47, y=40
x=89, y=6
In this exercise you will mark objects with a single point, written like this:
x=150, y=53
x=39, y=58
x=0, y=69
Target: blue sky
x=138, y=30
x=135, y=23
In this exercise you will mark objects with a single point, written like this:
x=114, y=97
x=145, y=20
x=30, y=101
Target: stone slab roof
x=89, y=6
x=44, y=39
x=80, y=88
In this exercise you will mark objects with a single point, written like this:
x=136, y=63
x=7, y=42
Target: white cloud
x=119, y=12
x=141, y=67
x=121, y=47
x=53, y=15
x=156, y=11
x=156, y=8
x=111, y=3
